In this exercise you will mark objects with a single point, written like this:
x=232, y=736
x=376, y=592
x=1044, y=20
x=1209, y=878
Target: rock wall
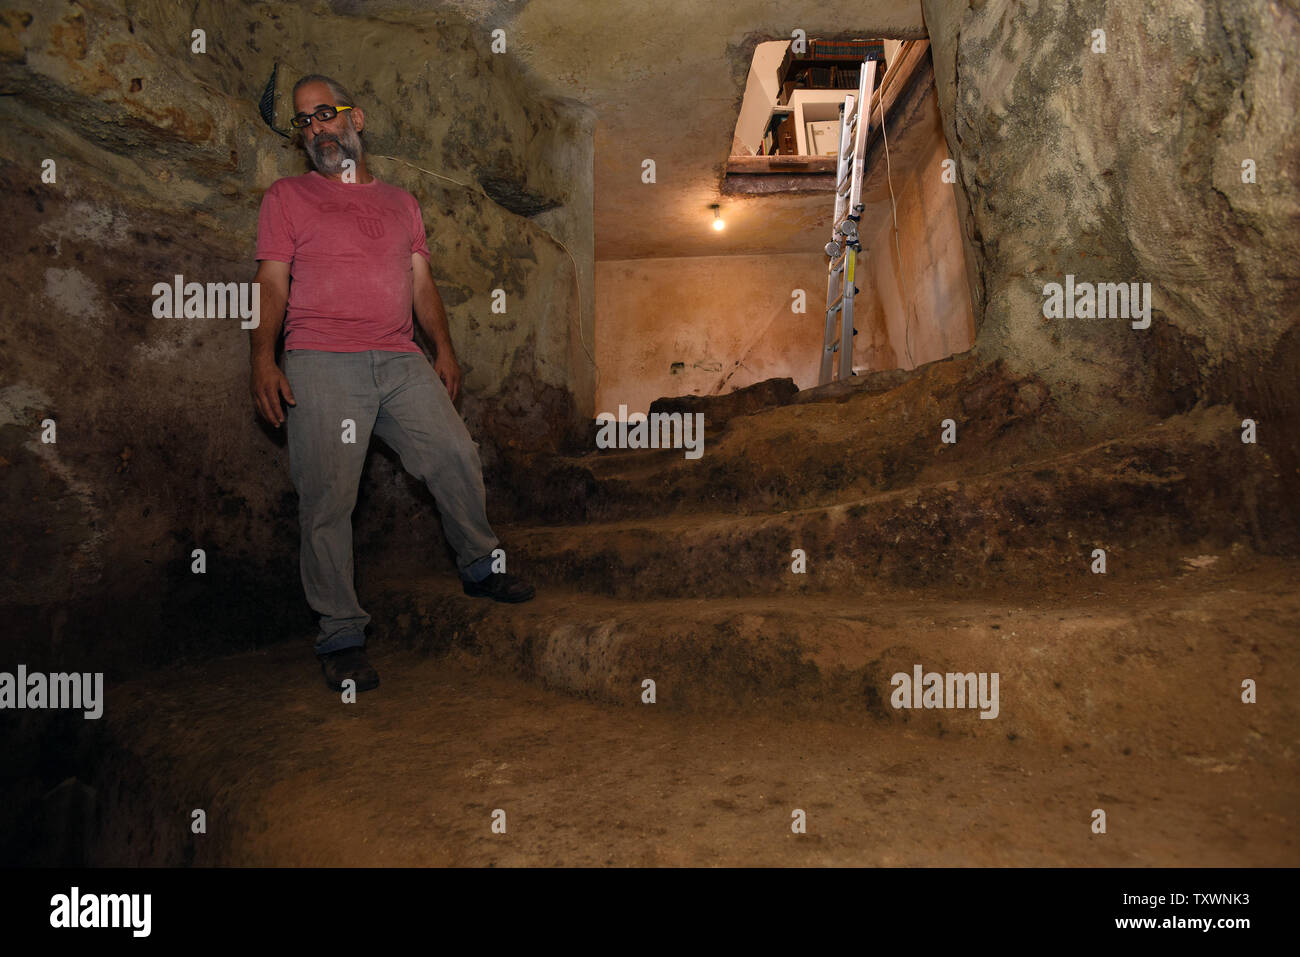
x=128, y=157
x=1133, y=165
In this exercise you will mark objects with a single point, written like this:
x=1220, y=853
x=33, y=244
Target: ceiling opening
x=752, y=305
x=787, y=133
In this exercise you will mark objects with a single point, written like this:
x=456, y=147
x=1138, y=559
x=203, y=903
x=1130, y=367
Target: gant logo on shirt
x=371, y=227
x=351, y=207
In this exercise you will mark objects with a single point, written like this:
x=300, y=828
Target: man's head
x=328, y=142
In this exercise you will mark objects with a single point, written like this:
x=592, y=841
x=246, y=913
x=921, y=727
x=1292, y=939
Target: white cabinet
x=812, y=106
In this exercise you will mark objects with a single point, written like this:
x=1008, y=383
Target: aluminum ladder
x=845, y=243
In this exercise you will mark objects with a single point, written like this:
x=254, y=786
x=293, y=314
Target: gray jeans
x=398, y=397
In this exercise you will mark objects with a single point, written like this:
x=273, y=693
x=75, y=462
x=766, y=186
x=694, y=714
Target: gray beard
x=329, y=162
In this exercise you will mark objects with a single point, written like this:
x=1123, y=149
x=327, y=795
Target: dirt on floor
x=417, y=771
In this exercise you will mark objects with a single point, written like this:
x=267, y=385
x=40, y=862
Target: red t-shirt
x=348, y=246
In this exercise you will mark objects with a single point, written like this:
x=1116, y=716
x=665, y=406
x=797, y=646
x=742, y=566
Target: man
x=356, y=253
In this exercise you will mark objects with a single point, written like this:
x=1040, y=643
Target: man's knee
x=455, y=461
x=325, y=485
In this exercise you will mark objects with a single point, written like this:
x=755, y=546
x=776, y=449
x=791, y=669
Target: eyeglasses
x=324, y=114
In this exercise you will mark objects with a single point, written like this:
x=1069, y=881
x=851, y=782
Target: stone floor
x=412, y=773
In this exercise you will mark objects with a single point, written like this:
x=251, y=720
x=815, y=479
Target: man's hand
x=268, y=385
x=431, y=315
x=449, y=372
x=268, y=382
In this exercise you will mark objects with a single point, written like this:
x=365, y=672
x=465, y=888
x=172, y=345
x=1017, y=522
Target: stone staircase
x=970, y=557
x=773, y=689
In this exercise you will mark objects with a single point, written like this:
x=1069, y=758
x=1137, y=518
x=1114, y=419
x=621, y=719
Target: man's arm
x=268, y=382
x=433, y=320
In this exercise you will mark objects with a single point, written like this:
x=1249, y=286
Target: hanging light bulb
x=718, y=224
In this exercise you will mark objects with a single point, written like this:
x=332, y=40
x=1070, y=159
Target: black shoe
x=349, y=663
x=501, y=587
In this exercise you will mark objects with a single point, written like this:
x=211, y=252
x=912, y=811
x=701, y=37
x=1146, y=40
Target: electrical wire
x=902, y=278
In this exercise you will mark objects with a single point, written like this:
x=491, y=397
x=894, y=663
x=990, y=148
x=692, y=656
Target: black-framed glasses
x=324, y=114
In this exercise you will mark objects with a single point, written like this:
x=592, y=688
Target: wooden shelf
x=839, y=66
x=896, y=78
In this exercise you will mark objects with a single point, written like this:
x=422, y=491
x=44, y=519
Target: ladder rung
x=839, y=298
